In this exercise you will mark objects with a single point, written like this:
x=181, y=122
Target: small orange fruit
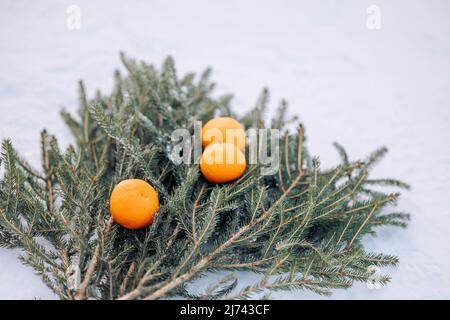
x=223, y=129
x=222, y=162
x=133, y=203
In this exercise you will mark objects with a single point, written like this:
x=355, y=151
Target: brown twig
x=286, y=155
x=48, y=173
x=363, y=224
x=194, y=208
x=81, y=293
x=300, y=149
x=205, y=260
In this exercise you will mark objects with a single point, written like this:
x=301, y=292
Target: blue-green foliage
x=300, y=228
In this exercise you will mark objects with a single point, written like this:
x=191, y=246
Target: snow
x=361, y=87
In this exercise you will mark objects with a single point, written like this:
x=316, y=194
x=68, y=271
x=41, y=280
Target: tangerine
x=222, y=162
x=133, y=203
x=223, y=129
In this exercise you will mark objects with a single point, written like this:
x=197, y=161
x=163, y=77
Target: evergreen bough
x=299, y=229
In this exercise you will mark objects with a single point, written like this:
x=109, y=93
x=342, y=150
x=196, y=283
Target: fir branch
x=300, y=229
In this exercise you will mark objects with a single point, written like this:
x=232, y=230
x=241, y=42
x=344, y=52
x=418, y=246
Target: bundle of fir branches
x=300, y=228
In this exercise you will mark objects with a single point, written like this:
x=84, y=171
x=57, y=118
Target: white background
x=361, y=87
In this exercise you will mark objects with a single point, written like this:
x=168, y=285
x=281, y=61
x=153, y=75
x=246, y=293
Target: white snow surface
x=363, y=88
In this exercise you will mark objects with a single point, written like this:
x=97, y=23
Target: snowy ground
x=361, y=87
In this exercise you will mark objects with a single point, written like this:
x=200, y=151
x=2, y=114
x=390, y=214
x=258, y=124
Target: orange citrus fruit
x=133, y=203
x=223, y=129
x=222, y=162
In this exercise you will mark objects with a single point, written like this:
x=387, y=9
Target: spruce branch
x=298, y=229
